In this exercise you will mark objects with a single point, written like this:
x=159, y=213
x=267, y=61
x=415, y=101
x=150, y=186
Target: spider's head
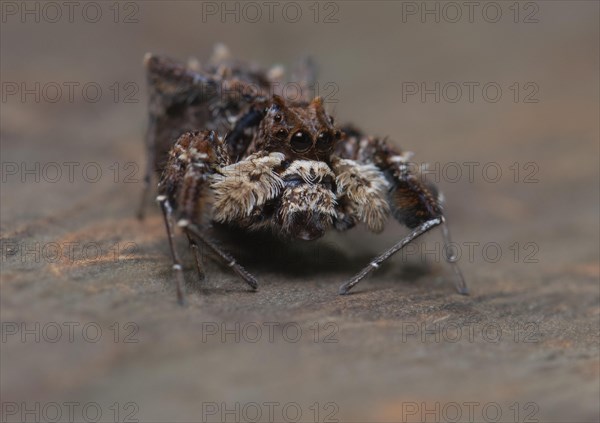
x=306, y=137
x=299, y=131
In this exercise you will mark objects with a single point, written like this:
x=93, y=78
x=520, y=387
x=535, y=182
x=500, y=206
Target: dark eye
x=324, y=141
x=338, y=134
x=277, y=118
x=331, y=120
x=301, y=141
x=282, y=133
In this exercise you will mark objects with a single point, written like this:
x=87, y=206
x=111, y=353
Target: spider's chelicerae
x=229, y=149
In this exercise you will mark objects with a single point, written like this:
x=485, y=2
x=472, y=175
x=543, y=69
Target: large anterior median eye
x=324, y=141
x=301, y=141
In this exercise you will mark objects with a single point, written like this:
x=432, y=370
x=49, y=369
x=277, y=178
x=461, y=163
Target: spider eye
x=331, y=120
x=338, y=134
x=282, y=133
x=301, y=141
x=324, y=141
x=278, y=118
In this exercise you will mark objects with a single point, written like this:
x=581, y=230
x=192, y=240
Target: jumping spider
x=283, y=165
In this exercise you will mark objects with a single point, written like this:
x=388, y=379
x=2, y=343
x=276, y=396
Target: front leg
x=412, y=202
x=184, y=189
x=168, y=218
x=420, y=230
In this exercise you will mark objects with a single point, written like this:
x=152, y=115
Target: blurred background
x=500, y=98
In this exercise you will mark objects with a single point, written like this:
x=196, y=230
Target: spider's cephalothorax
x=279, y=165
x=285, y=180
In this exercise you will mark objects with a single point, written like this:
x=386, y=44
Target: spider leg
x=150, y=159
x=184, y=183
x=459, y=281
x=196, y=249
x=417, y=232
x=413, y=202
x=223, y=255
x=305, y=75
x=168, y=215
x=181, y=186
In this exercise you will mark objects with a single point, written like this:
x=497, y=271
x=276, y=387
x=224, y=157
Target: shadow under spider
x=264, y=252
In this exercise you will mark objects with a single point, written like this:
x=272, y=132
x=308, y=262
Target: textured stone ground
x=524, y=344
